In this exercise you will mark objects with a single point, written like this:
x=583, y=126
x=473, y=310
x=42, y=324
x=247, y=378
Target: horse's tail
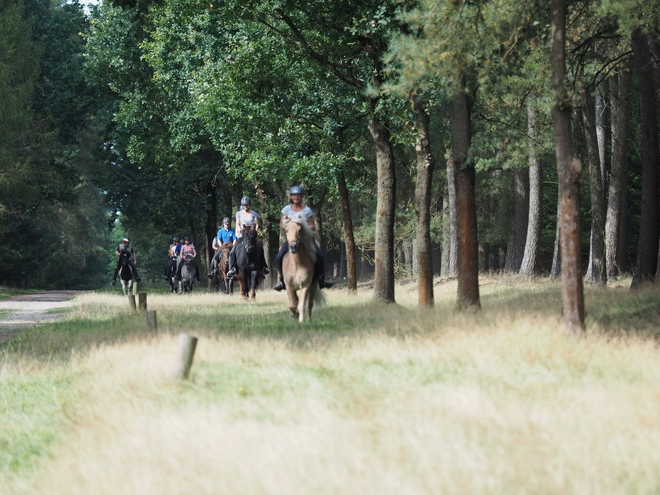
x=319, y=299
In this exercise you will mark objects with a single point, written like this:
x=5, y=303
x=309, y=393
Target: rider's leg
x=114, y=275
x=320, y=269
x=262, y=259
x=232, y=260
x=278, y=259
x=215, y=262
x=135, y=273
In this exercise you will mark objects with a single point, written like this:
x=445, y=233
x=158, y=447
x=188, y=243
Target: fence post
x=142, y=301
x=131, y=303
x=187, y=345
x=152, y=322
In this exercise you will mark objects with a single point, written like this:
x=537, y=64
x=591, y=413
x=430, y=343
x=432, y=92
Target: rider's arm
x=310, y=221
x=282, y=218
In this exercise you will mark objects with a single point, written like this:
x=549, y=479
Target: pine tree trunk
x=349, y=239
x=647, y=250
x=468, y=255
x=535, y=200
x=385, y=206
x=596, y=273
x=450, y=243
x=516, y=246
x=569, y=171
x=600, y=117
x=423, y=191
x=620, y=110
x=446, y=239
x=211, y=222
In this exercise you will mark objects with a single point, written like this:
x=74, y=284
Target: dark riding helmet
x=186, y=238
x=174, y=239
x=181, y=238
x=245, y=200
x=125, y=239
x=225, y=221
x=296, y=190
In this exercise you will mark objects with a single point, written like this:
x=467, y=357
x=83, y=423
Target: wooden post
x=142, y=301
x=187, y=345
x=152, y=322
x=136, y=287
x=131, y=303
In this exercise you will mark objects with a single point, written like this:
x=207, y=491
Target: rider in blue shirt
x=225, y=234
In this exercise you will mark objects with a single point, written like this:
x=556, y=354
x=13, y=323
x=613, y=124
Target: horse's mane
x=249, y=231
x=307, y=237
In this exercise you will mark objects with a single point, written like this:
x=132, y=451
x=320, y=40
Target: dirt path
x=28, y=310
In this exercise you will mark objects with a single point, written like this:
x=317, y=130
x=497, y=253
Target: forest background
x=152, y=118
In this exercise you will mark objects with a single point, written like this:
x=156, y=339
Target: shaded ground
x=29, y=310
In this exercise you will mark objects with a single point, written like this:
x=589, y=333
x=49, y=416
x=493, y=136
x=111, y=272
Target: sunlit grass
x=368, y=398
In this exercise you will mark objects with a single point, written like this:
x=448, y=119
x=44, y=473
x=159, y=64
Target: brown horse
x=298, y=269
x=223, y=268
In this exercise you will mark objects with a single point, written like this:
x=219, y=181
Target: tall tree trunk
x=596, y=273
x=620, y=110
x=349, y=239
x=450, y=240
x=211, y=222
x=385, y=207
x=446, y=238
x=647, y=250
x=468, y=252
x=516, y=246
x=535, y=199
x=317, y=207
x=600, y=118
x=569, y=171
x=423, y=191
x=265, y=227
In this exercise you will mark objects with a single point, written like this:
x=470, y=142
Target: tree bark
x=468, y=252
x=569, y=171
x=535, y=200
x=349, y=239
x=620, y=111
x=385, y=207
x=647, y=250
x=516, y=246
x=596, y=270
x=423, y=191
x=450, y=241
x=211, y=223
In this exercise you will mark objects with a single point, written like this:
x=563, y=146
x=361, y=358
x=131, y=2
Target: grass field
x=367, y=399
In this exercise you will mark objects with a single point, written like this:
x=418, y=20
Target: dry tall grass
x=421, y=402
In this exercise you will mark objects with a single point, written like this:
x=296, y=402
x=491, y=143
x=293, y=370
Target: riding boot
x=280, y=284
x=324, y=284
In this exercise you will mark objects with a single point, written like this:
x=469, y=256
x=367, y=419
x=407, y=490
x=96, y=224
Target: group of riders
x=182, y=248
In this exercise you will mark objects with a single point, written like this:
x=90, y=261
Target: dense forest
x=432, y=137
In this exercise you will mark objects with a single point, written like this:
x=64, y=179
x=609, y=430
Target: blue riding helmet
x=296, y=190
x=245, y=200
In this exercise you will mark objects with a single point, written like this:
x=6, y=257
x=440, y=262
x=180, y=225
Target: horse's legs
x=293, y=303
x=254, y=277
x=302, y=305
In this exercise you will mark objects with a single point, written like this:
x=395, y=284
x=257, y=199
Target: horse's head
x=294, y=229
x=249, y=234
x=226, y=249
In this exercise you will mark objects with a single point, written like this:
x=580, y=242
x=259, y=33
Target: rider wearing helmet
x=171, y=259
x=225, y=234
x=125, y=249
x=244, y=218
x=187, y=250
x=297, y=206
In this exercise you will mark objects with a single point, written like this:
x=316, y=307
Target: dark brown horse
x=248, y=261
x=222, y=268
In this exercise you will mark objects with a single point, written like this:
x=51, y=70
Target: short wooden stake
x=152, y=323
x=142, y=301
x=131, y=302
x=187, y=345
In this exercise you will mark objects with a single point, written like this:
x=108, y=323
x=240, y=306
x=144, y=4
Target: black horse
x=248, y=262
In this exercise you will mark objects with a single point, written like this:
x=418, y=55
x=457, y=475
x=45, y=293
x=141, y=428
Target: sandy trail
x=29, y=310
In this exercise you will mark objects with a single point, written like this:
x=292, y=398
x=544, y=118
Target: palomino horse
x=188, y=273
x=126, y=275
x=248, y=262
x=298, y=269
